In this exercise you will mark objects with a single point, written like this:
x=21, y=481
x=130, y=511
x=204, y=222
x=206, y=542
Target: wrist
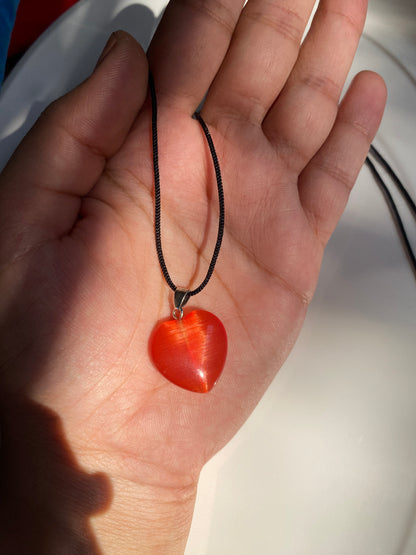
x=60, y=498
x=147, y=511
x=149, y=508
x=144, y=519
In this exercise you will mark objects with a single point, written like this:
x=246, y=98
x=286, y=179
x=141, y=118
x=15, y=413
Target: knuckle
x=337, y=173
x=283, y=20
x=215, y=10
x=323, y=84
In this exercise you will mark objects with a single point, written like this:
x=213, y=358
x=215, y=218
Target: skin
x=100, y=453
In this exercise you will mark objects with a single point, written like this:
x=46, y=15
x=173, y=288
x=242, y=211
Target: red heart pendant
x=190, y=352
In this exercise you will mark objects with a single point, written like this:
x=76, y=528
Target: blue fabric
x=8, y=9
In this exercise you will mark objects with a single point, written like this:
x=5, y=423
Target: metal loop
x=177, y=313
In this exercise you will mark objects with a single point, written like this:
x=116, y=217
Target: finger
x=64, y=154
x=262, y=53
x=304, y=114
x=325, y=184
x=189, y=46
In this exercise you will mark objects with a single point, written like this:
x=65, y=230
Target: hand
x=80, y=280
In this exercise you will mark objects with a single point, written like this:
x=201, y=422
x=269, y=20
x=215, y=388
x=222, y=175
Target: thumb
x=64, y=154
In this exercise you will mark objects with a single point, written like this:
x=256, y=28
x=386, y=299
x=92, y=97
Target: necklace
x=188, y=350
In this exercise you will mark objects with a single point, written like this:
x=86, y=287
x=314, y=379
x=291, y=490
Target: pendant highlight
x=190, y=352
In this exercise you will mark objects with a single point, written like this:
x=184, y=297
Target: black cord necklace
x=374, y=157
x=189, y=351
x=197, y=116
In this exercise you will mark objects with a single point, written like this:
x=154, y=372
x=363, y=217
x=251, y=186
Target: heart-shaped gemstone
x=190, y=352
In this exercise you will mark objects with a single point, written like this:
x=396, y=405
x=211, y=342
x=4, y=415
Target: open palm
x=82, y=284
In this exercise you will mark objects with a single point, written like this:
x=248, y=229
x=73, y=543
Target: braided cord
x=156, y=172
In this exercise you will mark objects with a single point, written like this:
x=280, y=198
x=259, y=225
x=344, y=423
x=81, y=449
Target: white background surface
x=326, y=465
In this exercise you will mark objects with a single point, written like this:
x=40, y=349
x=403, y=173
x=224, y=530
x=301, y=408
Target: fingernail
x=107, y=48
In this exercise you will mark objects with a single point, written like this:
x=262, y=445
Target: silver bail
x=181, y=297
